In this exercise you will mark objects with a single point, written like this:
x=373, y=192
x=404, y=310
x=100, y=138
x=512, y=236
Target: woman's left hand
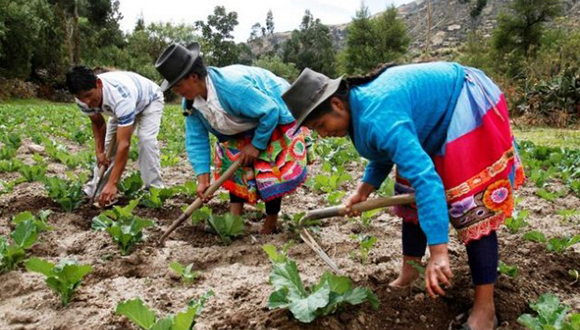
x=438, y=270
x=249, y=154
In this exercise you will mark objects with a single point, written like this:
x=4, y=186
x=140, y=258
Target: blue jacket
x=401, y=118
x=243, y=91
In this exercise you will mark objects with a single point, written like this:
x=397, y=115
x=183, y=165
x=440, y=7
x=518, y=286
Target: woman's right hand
x=203, y=181
x=103, y=160
x=362, y=192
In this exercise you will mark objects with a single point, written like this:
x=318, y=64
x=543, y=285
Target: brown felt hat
x=175, y=62
x=307, y=92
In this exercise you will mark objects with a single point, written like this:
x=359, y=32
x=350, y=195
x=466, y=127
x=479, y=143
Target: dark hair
x=343, y=90
x=80, y=79
x=198, y=68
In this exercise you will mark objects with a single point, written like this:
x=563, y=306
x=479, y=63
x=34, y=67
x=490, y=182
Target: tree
x=269, y=23
x=275, y=65
x=21, y=27
x=360, y=54
x=521, y=28
x=371, y=42
x=218, y=44
x=392, y=40
x=311, y=46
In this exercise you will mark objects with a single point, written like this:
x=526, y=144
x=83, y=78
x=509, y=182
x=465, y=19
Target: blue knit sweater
x=245, y=92
x=401, y=118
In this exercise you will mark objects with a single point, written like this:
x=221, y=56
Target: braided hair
x=343, y=90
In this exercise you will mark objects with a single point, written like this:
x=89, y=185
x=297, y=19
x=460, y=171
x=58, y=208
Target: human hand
x=202, y=185
x=363, y=190
x=103, y=160
x=249, y=154
x=438, y=270
x=108, y=193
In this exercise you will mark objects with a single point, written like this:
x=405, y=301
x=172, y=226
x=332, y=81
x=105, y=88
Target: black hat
x=307, y=92
x=175, y=62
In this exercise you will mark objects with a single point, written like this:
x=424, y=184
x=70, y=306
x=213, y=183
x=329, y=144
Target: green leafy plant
x=365, y=244
x=125, y=228
x=156, y=197
x=511, y=271
x=551, y=315
x=517, y=221
x=535, y=236
x=307, y=303
x=7, y=152
x=64, y=277
x=187, y=275
x=200, y=215
x=24, y=236
x=568, y=213
x=131, y=185
x=68, y=194
x=189, y=188
x=8, y=166
x=40, y=222
x=366, y=218
x=554, y=244
x=227, y=226
x=551, y=196
x=559, y=245
x=33, y=173
x=136, y=311
x=295, y=223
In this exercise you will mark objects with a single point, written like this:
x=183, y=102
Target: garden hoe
x=199, y=202
x=341, y=211
x=103, y=169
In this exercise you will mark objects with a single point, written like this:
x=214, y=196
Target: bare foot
x=482, y=320
x=268, y=230
x=408, y=273
x=403, y=281
x=270, y=225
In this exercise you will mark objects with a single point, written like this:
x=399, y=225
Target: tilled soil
x=238, y=273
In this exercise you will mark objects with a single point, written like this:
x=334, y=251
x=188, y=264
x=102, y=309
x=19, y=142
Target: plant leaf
x=138, y=312
x=39, y=266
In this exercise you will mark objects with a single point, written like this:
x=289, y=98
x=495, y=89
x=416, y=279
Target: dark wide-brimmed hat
x=307, y=92
x=175, y=62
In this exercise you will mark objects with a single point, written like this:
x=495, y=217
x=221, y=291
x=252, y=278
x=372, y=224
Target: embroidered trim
x=482, y=177
x=481, y=229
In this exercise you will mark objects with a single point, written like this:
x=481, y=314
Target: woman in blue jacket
x=243, y=108
x=446, y=128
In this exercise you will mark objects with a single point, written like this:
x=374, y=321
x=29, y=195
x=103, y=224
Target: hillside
x=450, y=23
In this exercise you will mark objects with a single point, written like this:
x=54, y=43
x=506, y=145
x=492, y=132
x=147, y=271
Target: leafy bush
x=33, y=173
x=125, y=228
x=66, y=193
x=64, y=277
x=156, y=197
x=136, y=311
x=187, y=275
x=551, y=315
x=227, y=226
x=12, y=165
x=308, y=303
x=39, y=222
x=24, y=237
x=131, y=185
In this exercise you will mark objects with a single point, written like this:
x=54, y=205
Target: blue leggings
x=482, y=254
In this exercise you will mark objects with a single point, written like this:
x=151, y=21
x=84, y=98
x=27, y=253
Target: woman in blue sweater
x=446, y=129
x=243, y=108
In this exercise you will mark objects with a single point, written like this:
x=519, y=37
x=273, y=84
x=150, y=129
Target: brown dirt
x=238, y=273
